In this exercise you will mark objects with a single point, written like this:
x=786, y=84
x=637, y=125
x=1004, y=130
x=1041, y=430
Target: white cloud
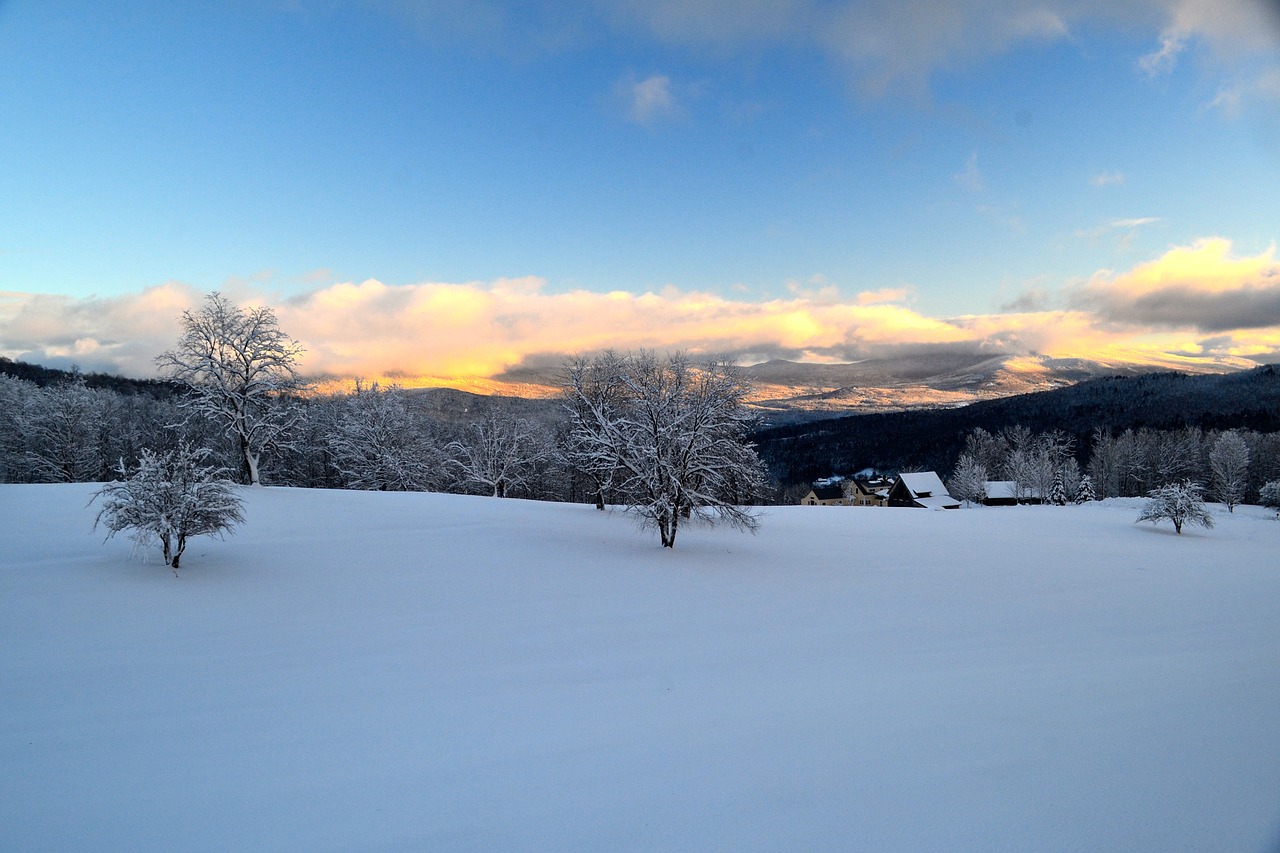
x=970, y=177
x=650, y=100
x=1107, y=179
x=882, y=45
x=1163, y=60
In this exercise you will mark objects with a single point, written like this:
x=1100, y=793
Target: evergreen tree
x=1058, y=492
x=1086, y=493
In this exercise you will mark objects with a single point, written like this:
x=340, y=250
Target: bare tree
x=969, y=480
x=240, y=366
x=593, y=392
x=1182, y=503
x=1229, y=467
x=377, y=445
x=62, y=425
x=500, y=454
x=675, y=433
x=171, y=497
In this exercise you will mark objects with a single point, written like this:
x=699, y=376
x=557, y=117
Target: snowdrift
x=361, y=671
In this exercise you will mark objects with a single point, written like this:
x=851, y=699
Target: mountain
x=792, y=391
x=931, y=439
x=788, y=392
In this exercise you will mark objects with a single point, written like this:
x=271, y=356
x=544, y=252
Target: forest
x=1130, y=434
x=933, y=439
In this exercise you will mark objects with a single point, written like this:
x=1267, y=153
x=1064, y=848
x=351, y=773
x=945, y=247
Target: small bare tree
x=1182, y=503
x=170, y=497
x=239, y=367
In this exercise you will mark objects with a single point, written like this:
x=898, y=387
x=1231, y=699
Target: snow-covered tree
x=499, y=454
x=15, y=395
x=1182, y=503
x=240, y=367
x=1058, y=491
x=1085, y=493
x=1070, y=470
x=376, y=444
x=592, y=392
x=969, y=480
x=62, y=425
x=1229, y=467
x=170, y=497
x=1022, y=467
x=989, y=451
x=1269, y=495
x=675, y=433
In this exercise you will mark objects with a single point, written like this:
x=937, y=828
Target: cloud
x=970, y=177
x=648, y=101
x=1123, y=230
x=1202, y=293
x=1163, y=60
x=882, y=46
x=1201, y=287
x=1107, y=179
x=883, y=295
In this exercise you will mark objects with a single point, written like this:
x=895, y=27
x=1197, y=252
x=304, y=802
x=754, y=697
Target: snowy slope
x=358, y=671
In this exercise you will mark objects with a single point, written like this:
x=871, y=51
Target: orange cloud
x=1194, y=302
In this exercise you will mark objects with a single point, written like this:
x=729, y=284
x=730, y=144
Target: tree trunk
x=251, y=464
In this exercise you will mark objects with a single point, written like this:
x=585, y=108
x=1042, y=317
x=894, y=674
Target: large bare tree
x=669, y=434
x=241, y=368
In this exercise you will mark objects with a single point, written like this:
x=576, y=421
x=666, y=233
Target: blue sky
x=860, y=175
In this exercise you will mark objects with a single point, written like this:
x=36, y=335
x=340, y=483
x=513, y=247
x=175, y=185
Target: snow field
x=366, y=671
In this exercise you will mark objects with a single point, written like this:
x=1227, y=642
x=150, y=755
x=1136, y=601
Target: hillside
x=374, y=671
x=932, y=439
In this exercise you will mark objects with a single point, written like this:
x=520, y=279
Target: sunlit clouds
x=1198, y=301
x=1203, y=287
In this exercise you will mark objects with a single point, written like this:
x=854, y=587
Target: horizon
x=460, y=191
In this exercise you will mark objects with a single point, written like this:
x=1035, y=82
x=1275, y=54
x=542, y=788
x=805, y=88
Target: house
x=825, y=495
x=1000, y=493
x=868, y=491
x=1006, y=493
x=921, y=489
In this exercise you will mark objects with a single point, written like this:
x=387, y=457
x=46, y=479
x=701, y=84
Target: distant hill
x=932, y=439
x=46, y=376
x=791, y=391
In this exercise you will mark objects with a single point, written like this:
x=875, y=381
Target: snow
x=371, y=671
x=926, y=483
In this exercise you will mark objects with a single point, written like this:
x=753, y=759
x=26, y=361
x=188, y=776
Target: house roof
x=939, y=502
x=1000, y=489
x=1008, y=489
x=877, y=486
x=828, y=493
x=923, y=484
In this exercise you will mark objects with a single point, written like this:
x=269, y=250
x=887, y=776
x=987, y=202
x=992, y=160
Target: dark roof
x=828, y=493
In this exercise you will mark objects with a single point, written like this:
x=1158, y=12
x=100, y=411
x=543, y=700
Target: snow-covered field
x=358, y=671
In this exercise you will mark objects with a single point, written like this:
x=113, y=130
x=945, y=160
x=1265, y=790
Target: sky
x=460, y=188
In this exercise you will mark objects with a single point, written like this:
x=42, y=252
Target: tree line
x=1235, y=466
x=665, y=436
